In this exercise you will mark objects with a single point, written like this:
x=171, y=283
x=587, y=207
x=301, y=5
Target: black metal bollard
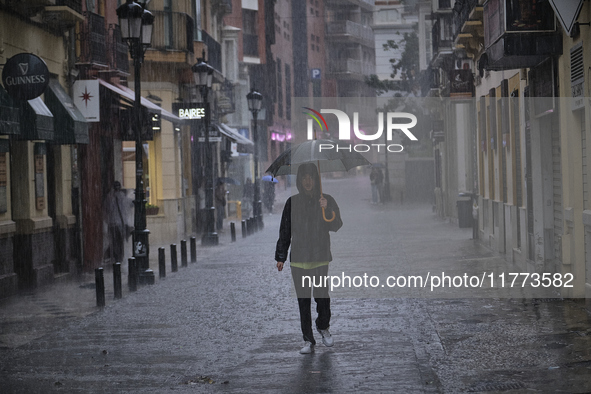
x=193, y=250
x=183, y=253
x=132, y=276
x=100, y=287
x=174, y=267
x=244, y=229
x=150, y=279
x=249, y=226
x=117, y=280
x=233, y=231
x=161, y=263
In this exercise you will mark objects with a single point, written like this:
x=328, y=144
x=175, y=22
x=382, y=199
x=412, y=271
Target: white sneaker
x=308, y=348
x=326, y=337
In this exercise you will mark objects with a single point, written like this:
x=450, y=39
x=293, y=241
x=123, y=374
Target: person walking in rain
x=117, y=210
x=373, y=178
x=269, y=195
x=304, y=228
x=220, y=204
x=380, y=185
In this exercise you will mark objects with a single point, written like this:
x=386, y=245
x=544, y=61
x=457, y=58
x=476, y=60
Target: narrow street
x=229, y=323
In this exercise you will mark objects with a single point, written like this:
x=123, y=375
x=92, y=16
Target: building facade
x=39, y=141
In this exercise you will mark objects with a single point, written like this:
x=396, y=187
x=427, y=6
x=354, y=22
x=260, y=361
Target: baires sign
x=25, y=76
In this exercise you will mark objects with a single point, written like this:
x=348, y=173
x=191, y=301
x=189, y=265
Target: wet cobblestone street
x=229, y=323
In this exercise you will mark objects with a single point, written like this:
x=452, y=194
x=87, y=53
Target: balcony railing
x=444, y=4
x=172, y=31
x=214, y=51
x=76, y=5
x=119, y=50
x=225, y=6
x=92, y=40
x=352, y=66
x=440, y=43
x=352, y=29
x=464, y=15
x=250, y=44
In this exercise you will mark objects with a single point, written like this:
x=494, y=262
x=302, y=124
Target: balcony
x=250, y=45
x=75, y=5
x=443, y=6
x=214, y=51
x=172, y=39
x=173, y=31
x=348, y=31
x=441, y=39
x=356, y=69
x=119, y=58
x=519, y=37
x=64, y=14
x=469, y=33
x=92, y=41
x=222, y=6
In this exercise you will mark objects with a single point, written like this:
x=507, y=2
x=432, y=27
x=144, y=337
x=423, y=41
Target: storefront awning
x=234, y=135
x=9, y=121
x=36, y=121
x=164, y=114
x=128, y=96
x=69, y=123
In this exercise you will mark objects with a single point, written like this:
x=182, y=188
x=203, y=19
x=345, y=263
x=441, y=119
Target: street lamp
x=136, y=29
x=203, y=74
x=255, y=100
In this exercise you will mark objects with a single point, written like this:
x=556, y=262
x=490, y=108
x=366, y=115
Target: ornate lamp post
x=255, y=100
x=136, y=29
x=203, y=74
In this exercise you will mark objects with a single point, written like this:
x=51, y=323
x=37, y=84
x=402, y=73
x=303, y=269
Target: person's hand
x=280, y=266
x=323, y=202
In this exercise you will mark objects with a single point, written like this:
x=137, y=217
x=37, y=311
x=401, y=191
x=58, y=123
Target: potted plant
x=151, y=209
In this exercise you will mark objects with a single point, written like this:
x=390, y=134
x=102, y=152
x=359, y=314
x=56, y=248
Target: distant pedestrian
x=373, y=179
x=116, y=212
x=220, y=205
x=380, y=184
x=303, y=227
x=269, y=195
x=247, y=197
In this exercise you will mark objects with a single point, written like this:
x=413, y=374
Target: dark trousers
x=219, y=211
x=116, y=234
x=304, y=293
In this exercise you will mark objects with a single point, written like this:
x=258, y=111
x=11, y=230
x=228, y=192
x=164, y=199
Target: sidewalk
x=32, y=314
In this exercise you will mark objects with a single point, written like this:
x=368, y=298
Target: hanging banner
x=86, y=99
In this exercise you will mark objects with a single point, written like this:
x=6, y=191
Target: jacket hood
x=308, y=169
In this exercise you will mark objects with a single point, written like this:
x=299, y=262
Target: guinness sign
x=25, y=76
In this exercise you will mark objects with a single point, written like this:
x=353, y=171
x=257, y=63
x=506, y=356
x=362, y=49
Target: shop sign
x=189, y=111
x=461, y=84
x=3, y=182
x=25, y=76
x=214, y=135
x=225, y=99
x=39, y=183
x=86, y=99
